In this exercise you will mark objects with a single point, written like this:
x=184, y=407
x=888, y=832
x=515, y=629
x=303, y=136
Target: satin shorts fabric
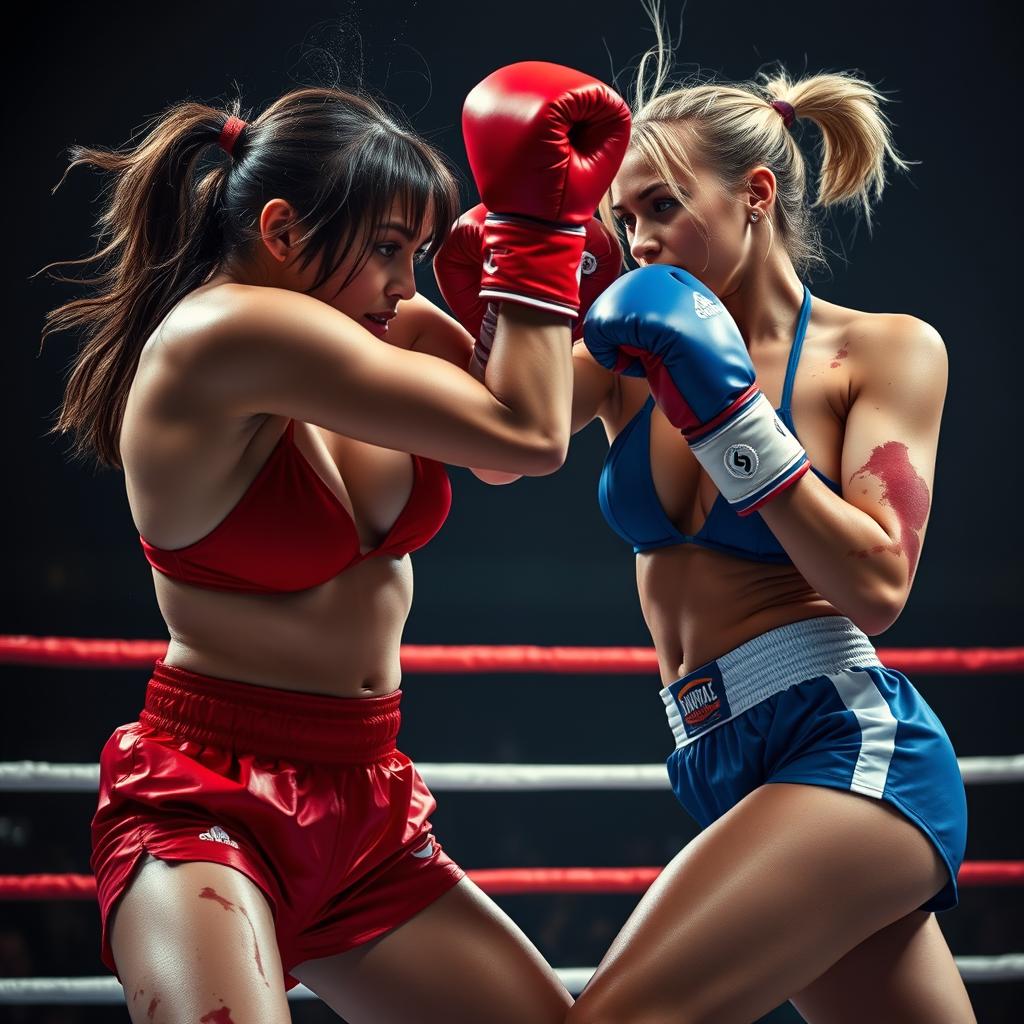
x=305, y=795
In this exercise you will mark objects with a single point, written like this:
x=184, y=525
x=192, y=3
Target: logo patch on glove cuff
x=704, y=307
x=588, y=264
x=741, y=461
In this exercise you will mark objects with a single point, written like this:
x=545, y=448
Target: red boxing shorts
x=305, y=795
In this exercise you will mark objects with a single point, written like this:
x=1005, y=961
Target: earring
x=754, y=216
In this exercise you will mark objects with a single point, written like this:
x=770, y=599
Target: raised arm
x=593, y=389
x=282, y=352
x=533, y=240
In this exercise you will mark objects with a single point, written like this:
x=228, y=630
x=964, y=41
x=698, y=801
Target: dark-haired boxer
x=259, y=364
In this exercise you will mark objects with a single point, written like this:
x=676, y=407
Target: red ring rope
x=74, y=652
x=497, y=881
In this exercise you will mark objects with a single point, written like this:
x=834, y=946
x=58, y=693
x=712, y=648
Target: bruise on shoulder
x=905, y=491
x=842, y=353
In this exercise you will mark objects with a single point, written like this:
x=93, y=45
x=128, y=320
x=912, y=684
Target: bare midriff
x=341, y=638
x=699, y=604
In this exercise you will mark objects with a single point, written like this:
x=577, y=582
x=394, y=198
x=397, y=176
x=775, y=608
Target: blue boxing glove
x=662, y=323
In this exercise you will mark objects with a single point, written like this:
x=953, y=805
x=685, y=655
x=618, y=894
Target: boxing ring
x=45, y=777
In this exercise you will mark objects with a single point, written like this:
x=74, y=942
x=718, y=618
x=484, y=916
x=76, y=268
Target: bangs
x=427, y=187
x=388, y=168
x=663, y=149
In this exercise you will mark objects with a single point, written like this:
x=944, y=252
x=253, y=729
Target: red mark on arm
x=221, y=1016
x=905, y=492
x=207, y=893
x=154, y=1003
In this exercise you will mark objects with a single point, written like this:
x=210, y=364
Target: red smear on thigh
x=211, y=894
x=905, y=492
x=256, y=947
x=152, y=1007
x=221, y=1016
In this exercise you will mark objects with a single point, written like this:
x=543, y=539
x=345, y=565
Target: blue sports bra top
x=630, y=503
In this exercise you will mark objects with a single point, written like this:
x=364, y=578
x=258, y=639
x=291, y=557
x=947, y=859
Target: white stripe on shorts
x=877, y=730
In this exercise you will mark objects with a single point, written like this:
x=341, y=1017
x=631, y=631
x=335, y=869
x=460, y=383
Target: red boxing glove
x=544, y=142
x=457, y=269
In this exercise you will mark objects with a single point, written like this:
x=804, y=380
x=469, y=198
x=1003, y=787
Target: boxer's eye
x=662, y=205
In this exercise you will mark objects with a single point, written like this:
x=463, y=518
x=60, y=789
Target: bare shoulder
x=886, y=347
x=220, y=343
x=890, y=336
x=217, y=320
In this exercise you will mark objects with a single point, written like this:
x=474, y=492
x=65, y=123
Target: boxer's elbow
x=876, y=604
x=495, y=477
x=546, y=452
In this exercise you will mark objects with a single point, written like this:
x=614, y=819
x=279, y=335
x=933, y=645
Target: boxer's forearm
x=847, y=556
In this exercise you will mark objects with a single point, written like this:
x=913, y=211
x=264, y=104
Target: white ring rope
x=44, y=777
x=107, y=991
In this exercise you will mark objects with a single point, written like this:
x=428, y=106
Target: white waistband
x=770, y=663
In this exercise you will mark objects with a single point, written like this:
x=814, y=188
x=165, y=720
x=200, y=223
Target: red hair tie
x=786, y=110
x=233, y=127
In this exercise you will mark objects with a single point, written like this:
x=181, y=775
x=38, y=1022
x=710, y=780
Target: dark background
x=531, y=563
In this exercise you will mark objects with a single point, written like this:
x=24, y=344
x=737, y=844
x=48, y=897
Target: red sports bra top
x=290, y=532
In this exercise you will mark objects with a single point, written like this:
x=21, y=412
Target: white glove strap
x=750, y=453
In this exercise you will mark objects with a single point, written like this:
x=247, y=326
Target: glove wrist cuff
x=752, y=457
x=532, y=263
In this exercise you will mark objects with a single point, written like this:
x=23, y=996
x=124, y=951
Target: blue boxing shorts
x=811, y=703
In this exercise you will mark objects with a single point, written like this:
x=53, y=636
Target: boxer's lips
x=378, y=322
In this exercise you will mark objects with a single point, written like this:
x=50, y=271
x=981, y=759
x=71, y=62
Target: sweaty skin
x=905, y=492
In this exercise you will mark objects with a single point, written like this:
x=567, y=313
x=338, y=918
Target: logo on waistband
x=702, y=701
x=218, y=835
